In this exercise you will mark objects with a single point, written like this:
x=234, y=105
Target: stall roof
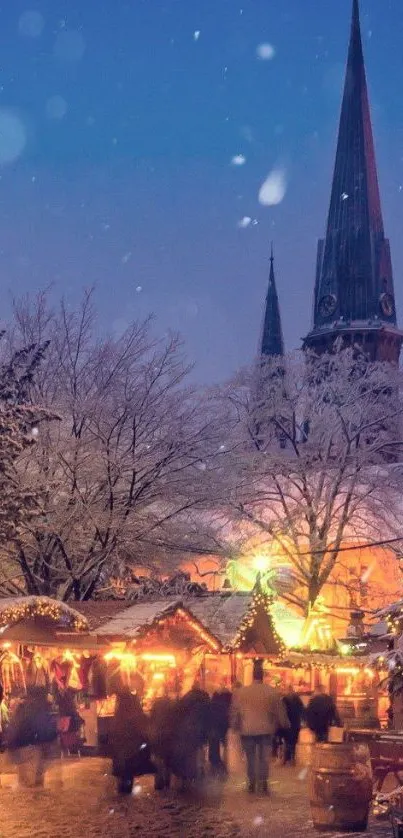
x=222, y=614
x=17, y=609
x=100, y=612
x=129, y=621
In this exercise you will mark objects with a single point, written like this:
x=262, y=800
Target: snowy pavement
x=80, y=800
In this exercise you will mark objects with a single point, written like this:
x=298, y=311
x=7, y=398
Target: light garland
x=213, y=644
x=42, y=607
x=260, y=600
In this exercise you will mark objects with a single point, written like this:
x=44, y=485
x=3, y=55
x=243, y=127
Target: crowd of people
x=177, y=736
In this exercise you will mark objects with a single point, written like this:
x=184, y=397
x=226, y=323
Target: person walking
x=4, y=719
x=130, y=748
x=219, y=724
x=192, y=734
x=257, y=711
x=295, y=712
x=321, y=713
x=30, y=734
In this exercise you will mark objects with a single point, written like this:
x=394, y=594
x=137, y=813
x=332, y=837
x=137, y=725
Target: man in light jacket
x=257, y=711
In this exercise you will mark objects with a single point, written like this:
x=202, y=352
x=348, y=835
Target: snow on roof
x=15, y=609
x=220, y=613
x=100, y=612
x=129, y=621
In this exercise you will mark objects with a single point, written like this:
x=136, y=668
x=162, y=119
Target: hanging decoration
x=316, y=633
x=261, y=605
x=27, y=608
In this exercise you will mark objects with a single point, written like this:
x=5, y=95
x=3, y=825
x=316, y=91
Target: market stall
x=46, y=643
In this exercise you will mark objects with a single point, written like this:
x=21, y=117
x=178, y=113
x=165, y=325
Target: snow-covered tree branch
x=125, y=463
x=312, y=461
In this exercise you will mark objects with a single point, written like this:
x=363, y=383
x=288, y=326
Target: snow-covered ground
x=79, y=801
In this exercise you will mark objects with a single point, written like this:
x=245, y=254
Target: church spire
x=354, y=295
x=272, y=342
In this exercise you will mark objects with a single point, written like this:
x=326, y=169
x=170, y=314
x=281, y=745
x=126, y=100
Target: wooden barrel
x=340, y=786
x=306, y=743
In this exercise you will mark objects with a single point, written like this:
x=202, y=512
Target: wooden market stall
x=46, y=643
x=154, y=648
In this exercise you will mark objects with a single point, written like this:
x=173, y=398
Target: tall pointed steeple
x=354, y=293
x=272, y=342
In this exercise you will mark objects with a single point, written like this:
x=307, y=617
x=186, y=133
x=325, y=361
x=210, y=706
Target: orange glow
x=159, y=658
x=126, y=658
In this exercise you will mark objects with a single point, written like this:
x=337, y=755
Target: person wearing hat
x=257, y=711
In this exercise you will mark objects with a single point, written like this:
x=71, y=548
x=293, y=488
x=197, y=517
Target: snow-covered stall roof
x=221, y=614
x=14, y=610
x=130, y=621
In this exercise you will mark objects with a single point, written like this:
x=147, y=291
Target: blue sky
x=118, y=124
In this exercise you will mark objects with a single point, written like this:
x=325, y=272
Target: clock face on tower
x=327, y=305
x=387, y=304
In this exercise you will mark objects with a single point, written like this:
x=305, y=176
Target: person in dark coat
x=295, y=712
x=162, y=736
x=70, y=721
x=321, y=713
x=192, y=732
x=129, y=741
x=32, y=730
x=219, y=724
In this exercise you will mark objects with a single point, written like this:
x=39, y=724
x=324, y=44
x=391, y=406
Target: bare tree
x=127, y=459
x=19, y=421
x=312, y=460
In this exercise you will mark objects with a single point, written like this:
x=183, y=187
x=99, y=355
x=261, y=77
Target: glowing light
x=161, y=658
x=261, y=563
x=126, y=658
x=347, y=670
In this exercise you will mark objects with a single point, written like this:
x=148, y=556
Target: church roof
x=272, y=343
x=354, y=280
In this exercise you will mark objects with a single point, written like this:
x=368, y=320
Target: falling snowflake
x=344, y=196
x=244, y=222
x=273, y=190
x=238, y=160
x=196, y=34
x=303, y=773
x=257, y=821
x=136, y=790
x=265, y=52
x=139, y=289
x=13, y=136
x=126, y=257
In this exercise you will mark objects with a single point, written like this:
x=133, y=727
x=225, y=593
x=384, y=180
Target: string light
x=45, y=608
x=261, y=600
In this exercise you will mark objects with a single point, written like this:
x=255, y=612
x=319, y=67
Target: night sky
x=134, y=140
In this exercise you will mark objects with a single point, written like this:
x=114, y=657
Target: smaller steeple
x=272, y=342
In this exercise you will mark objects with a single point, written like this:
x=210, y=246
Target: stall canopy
x=38, y=618
x=138, y=621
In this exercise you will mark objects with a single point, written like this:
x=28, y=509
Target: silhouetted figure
x=295, y=712
x=70, y=721
x=32, y=730
x=219, y=724
x=163, y=721
x=191, y=736
x=129, y=741
x=321, y=713
x=4, y=719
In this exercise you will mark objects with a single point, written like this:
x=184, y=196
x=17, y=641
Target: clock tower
x=354, y=294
